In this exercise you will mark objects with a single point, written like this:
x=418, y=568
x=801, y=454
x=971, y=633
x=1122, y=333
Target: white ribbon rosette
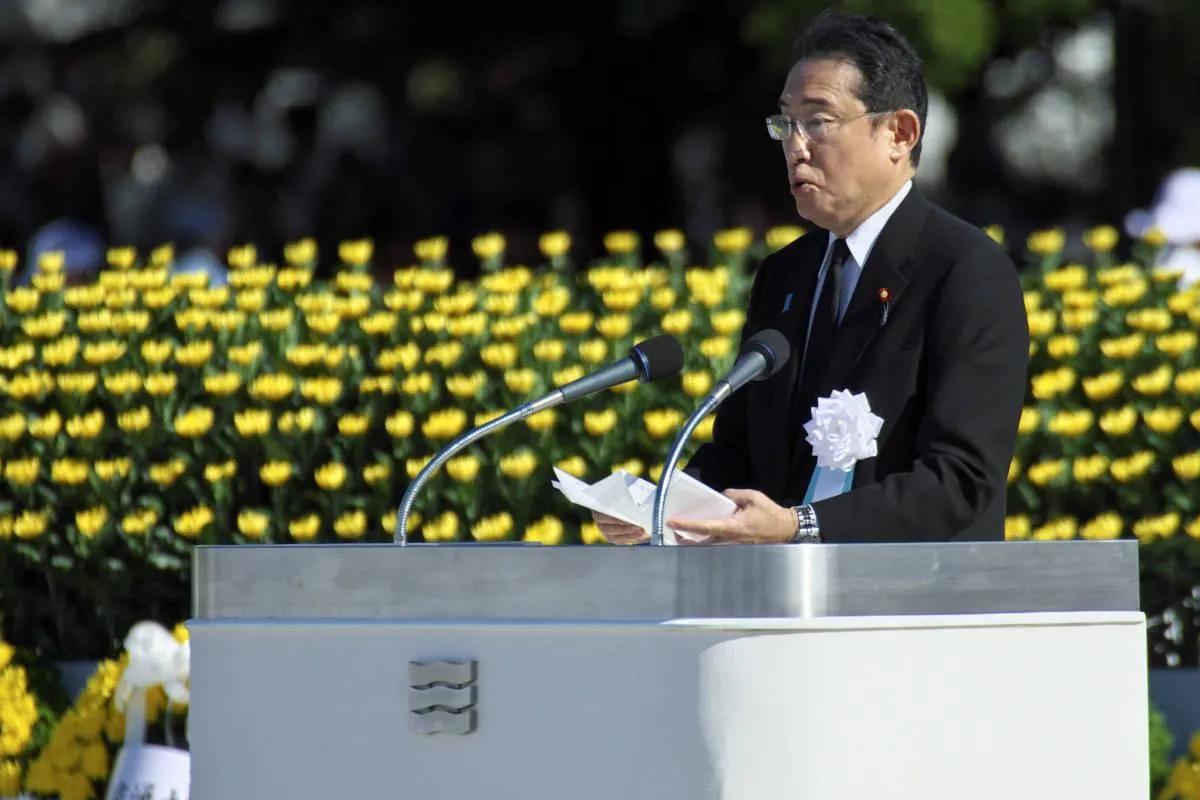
x=842, y=432
x=155, y=658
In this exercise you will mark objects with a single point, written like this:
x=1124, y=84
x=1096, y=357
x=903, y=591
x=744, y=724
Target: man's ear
x=905, y=130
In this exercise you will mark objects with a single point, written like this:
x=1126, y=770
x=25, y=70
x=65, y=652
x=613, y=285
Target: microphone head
x=658, y=357
x=773, y=346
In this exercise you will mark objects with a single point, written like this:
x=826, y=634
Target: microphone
x=657, y=357
x=762, y=355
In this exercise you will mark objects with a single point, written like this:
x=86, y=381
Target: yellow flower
x=159, y=298
x=1187, y=466
x=1061, y=347
x=1119, y=422
x=1101, y=239
x=619, y=243
x=716, y=347
x=621, y=300
x=1056, y=530
x=356, y=252
x=276, y=473
x=324, y=324
x=1193, y=530
x=91, y=521
x=1103, y=386
x=669, y=241
x=520, y=381
x=1149, y=320
x=1049, y=385
x=1069, y=278
x=431, y=250
x=135, y=420
x=381, y=384
x=782, y=235
x=554, y=244
x=123, y=383
x=276, y=320
x=331, y=476
x=551, y=350
x=399, y=425
x=463, y=469
x=467, y=326
x=253, y=524
x=166, y=473
x=138, y=522
x=520, y=464
x=495, y=528
x=272, y=386
x=159, y=384
x=542, y=420
x=413, y=466
x=614, y=326
x=1046, y=242
x=1044, y=472
x=1188, y=382
x=47, y=426
x=306, y=528
x=95, y=321
x=324, y=390
x=1071, y=423
x=1041, y=323
x=353, y=424
x=222, y=384
x=1164, y=420
x=633, y=466
x=489, y=246
x=703, y=432
x=547, y=531
x=23, y=472
x=697, y=384
x=156, y=351
x=110, y=469
x=194, y=423
x=568, y=374
x=1124, y=294
x=1090, y=468
x=351, y=525
x=1162, y=526
x=191, y=523
x=445, y=424
x=86, y=426
x=1103, y=527
x=31, y=524
x=61, y=352
x=576, y=322
x=445, y=354
x=1031, y=418
x=68, y=471
x=599, y=423
x=1016, y=528
x=733, y=240
x=590, y=533
x=222, y=471
x=8, y=260
x=677, y=322
x=22, y=300
x=77, y=382
x=12, y=427
x=209, y=299
x=379, y=324
x=1079, y=301
x=573, y=465
x=1124, y=347
x=1176, y=344
x=404, y=357
x=433, y=281
x=663, y=298
x=593, y=351
x=1014, y=470
x=1125, y=470
x=101, y=353
x=662, y=422
x=443, y=528
x=375, y=474
x=1182, y=302
x=48, y=284
x=1155, y=383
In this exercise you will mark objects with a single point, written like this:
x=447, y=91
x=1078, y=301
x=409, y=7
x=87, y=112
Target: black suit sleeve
x=977, y=356
x=724, y=463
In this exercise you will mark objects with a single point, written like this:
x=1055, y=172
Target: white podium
x=974, y=670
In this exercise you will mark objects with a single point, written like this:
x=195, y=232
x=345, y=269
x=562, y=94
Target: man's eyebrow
x=807, y=101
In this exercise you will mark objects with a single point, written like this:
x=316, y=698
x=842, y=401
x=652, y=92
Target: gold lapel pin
x=885, y=297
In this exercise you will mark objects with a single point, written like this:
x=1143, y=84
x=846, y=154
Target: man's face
x=838, y=181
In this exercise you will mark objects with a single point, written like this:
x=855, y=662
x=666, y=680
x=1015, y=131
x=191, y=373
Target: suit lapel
x=886, y=268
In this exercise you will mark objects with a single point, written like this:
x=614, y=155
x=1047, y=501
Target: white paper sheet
x=631, y=499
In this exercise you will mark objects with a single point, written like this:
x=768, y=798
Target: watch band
x=807, y=529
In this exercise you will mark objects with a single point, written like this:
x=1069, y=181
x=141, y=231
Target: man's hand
x=618, y=532
x=757, y=519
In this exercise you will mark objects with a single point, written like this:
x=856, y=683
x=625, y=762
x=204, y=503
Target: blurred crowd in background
x=216, y=122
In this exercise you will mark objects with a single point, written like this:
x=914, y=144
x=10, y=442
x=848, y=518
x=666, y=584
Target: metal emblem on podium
x=441, y=697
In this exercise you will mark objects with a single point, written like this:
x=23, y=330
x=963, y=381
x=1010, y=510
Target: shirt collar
x=862, y=239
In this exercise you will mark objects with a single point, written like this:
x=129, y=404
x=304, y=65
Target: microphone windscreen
x=774, y=347
x=658, y=357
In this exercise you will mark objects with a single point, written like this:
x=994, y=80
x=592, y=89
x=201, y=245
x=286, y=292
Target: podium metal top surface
x=515, y=582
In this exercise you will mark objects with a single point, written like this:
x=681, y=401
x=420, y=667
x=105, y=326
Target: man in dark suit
x=892, y=297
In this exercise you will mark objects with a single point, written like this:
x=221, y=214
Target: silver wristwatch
x=807, y=529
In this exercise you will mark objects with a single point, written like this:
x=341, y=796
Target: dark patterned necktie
x=823, y=331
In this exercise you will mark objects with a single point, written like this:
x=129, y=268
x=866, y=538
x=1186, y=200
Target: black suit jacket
x=946, y=373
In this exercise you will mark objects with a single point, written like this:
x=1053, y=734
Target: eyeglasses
x=780, y=127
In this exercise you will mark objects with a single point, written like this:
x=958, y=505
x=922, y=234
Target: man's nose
x=795, y=149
